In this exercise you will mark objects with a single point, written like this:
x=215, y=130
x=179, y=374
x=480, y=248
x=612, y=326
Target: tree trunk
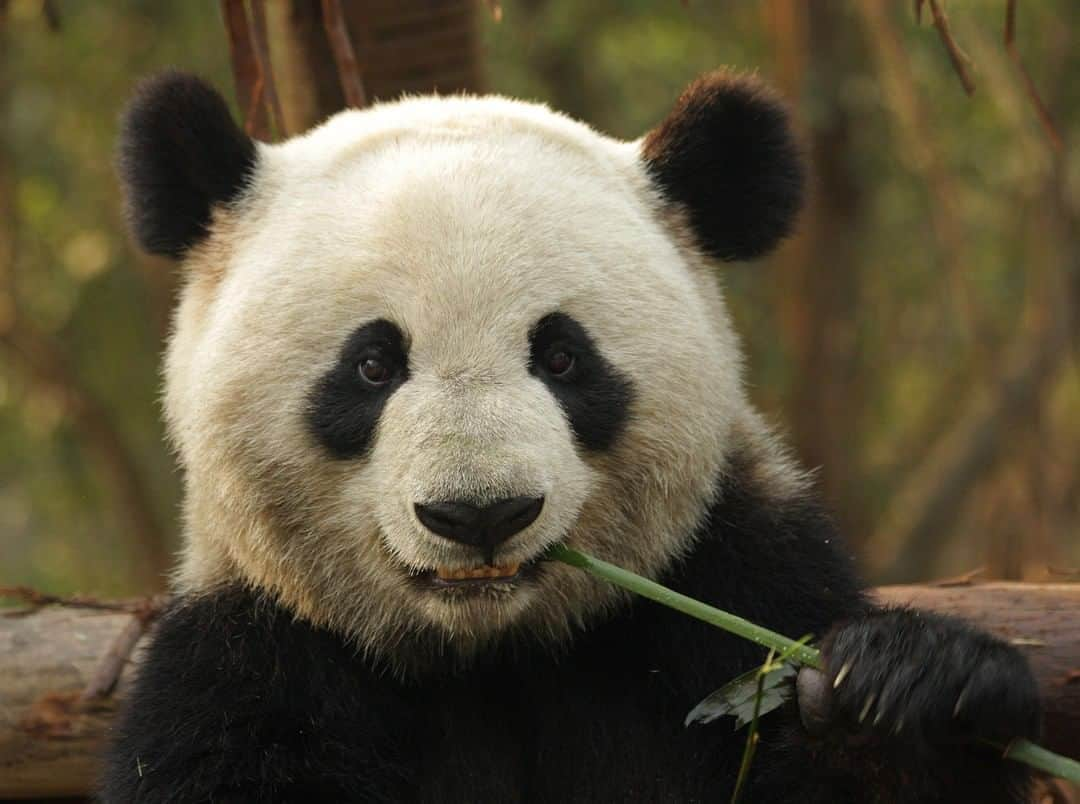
x=818, y=277
x=401, y=46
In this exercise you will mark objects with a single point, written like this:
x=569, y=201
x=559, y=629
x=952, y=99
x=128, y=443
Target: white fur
x=464, y=221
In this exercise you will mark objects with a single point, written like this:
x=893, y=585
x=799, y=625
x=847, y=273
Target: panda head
x=426, y=341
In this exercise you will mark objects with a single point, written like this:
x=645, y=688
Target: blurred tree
x=818, y=275
x=921, y=305
x=411, y=46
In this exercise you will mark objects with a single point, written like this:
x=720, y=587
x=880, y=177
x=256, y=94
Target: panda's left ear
x=180, y=156
x=727, y=155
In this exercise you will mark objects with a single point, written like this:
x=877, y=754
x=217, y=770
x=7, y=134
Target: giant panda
x=417, y=347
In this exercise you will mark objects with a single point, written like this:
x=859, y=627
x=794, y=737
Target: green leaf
x=737, y=697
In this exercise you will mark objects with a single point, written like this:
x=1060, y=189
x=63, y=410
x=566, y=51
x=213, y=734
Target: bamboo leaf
x=738, y=696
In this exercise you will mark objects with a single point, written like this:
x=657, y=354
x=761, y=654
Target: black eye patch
x=344, y=408
x=594, y=394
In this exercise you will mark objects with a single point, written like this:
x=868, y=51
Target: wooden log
x=50, y=740
x=51, y=737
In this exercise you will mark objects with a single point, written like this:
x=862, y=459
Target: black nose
x=486, y=527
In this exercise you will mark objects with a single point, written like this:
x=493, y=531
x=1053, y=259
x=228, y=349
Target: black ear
x=727, y=154
x=180, y=155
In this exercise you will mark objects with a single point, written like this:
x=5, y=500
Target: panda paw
x=918, y=678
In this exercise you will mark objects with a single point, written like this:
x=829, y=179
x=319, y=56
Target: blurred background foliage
x=917, y=340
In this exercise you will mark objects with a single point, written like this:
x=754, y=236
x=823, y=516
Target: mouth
x=458, y=576
x=482, y=578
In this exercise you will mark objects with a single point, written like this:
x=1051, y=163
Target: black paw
x=919, y=678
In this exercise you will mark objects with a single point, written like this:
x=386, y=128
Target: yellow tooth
x=459, y=574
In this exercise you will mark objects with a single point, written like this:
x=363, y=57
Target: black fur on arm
x=180, y=155
x=781, y=564
x=238, y=701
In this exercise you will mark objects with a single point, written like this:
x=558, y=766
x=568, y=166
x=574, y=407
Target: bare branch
x=964, y=579
x=261, y=48
x=958, y=57
x=337, y=34
x=922, y=147
x=36, y=600
x=245, y=67
x=1069, y=573
x=1040, y=108
x=111, y=667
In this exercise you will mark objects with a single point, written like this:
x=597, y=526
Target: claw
x=960, y=701
x=866, y=706
x=841, y=675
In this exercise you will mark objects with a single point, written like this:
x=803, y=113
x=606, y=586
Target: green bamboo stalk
x=799, y=652
x=1018, y=750
x=1038, y=757
x=752, y=736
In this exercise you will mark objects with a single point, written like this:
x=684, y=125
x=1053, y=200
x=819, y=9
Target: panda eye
x=559, y=363
x=375, y=371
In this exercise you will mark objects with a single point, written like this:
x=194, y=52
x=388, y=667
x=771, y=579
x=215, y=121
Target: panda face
x=428, y=341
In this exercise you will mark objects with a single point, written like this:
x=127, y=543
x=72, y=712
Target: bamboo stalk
x=803, y=654
x=1018, y=750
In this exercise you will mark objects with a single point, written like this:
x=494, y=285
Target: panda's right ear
x=180, y=155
